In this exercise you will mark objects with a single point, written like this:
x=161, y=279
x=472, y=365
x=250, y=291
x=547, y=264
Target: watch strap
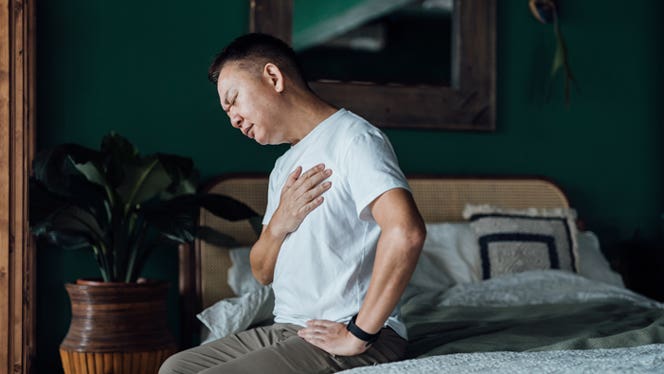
x=361, y=334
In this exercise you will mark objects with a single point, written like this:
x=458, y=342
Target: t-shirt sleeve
x=273, y=196
x=373, y=169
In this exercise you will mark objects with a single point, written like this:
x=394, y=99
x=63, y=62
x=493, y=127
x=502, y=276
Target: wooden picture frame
x=468, y=104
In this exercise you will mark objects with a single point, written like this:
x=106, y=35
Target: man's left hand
x=332, y=337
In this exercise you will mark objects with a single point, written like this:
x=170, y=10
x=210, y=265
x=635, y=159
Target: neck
x=306, y=111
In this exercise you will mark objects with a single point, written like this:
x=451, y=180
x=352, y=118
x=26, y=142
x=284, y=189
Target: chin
x=260, y=140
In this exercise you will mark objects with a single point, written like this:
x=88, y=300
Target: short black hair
x=254, y=50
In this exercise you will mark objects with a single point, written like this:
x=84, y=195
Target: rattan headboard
x=203, y=271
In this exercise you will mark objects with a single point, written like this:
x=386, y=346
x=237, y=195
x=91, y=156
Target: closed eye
x=227, y=104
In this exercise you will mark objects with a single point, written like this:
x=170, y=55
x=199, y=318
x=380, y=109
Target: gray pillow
x=513, y=241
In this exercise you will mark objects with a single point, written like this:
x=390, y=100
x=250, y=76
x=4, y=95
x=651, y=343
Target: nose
x=236, y=120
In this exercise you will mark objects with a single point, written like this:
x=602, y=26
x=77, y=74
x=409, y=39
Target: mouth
x=246, y=130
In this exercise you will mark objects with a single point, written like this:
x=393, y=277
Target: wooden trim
x=469, y=104
x=188, y=305
x=5, y=170
x=272, y=17
x=17, y=116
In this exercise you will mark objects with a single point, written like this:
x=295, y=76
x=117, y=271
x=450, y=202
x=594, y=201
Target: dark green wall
x=139, y=68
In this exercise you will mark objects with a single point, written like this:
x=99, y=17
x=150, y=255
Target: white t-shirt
x=324, y=267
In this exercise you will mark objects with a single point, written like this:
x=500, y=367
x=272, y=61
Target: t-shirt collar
x=319, y=127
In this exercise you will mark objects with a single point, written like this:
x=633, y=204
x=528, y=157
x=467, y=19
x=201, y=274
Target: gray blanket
x=607, y=324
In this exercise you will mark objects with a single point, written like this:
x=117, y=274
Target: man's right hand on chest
x=301, y=194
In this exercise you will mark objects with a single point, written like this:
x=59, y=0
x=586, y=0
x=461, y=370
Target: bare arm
x=401, y=240
x=300, y=195
x=399, y=245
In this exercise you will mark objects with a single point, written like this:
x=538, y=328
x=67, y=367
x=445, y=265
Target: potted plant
x=121, y=206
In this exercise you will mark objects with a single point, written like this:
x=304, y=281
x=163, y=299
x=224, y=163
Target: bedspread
x=540, y=321
x=642, y=359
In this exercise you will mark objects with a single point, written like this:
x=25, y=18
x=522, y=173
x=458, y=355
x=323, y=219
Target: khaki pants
x=277, y=349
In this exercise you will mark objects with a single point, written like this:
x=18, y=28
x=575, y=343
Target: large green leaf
x=144, y=179
x=43, y=202
x=72, y=188
x=225, y=207
x=68, y=239
x=184, y=178
x=119, y=148
x=176, y=218
x=175, y=222
x=118, y=152
x=92, y=173
x=69, y=227
x=256, y=223
x=216, y=237
x=72, y=218
x=53, y=167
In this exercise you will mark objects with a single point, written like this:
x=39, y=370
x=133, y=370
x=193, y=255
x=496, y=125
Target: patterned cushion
x=513, y=241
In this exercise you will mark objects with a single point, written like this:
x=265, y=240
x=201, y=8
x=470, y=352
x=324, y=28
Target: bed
x=505, y=283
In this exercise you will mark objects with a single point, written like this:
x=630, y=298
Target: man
x=341, y=234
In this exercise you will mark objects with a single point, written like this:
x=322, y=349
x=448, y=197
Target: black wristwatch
x=361, y=334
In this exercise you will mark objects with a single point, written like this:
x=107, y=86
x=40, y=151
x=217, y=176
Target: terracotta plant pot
x=117, y=328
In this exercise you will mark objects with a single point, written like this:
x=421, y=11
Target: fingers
x=311, y=172
x=311, y=205
x=301, y=194
x=312, y=178
x=308, y=179
x=315, y=175
x=317, y=191
x=317, y=330
x=332, y=337
x=307, y=186
x=293, y=177
x=320, y=323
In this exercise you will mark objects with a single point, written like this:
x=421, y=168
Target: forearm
x=264, y=253
x=396, y=257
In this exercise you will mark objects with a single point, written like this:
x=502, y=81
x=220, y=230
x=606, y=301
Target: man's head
x=258, y=79
x=253, y=51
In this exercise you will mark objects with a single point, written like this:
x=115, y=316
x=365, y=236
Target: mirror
x=456, y=93
x=379, y=41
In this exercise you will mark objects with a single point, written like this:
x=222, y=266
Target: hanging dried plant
x=546, y=12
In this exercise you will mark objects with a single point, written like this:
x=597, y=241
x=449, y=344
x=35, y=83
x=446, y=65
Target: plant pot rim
x=98, y=282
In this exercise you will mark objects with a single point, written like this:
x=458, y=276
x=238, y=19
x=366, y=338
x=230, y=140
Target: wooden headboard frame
x=203, y=268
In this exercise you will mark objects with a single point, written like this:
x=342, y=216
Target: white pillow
x=448, y=257
x=593, y=264
x=451, y=256
x=254, y=304
x=240, y=278
x=236, y=314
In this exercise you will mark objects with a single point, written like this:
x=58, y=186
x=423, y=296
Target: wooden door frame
x=17, y=134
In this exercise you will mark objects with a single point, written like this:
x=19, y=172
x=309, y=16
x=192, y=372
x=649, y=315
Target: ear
x=274, y=76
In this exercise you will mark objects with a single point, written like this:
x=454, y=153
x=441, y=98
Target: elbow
x=416, y=232
x=411, y=236
x=417, y=236
x=263, y=276
x=262, y=279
